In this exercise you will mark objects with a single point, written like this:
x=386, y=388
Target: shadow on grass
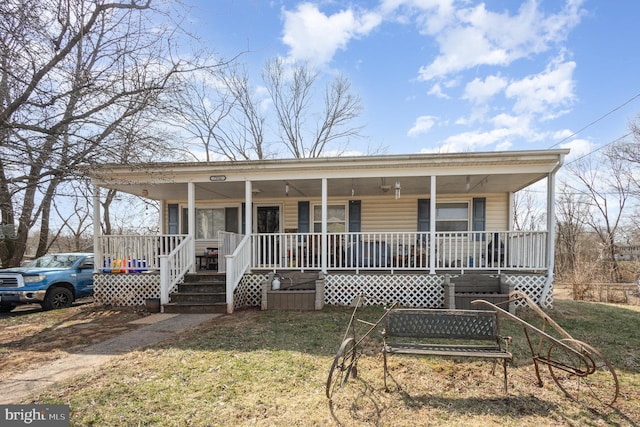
x=377, y=407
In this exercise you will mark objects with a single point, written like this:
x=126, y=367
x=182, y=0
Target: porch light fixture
x=398, y=188
x=286, y=189
x=384, y=187
x=145, y=192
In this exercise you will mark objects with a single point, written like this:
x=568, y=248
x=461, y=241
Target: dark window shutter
x=303, y=217
x=172, y=223
x=424, y=214
x=231, y=220
x=244, y=222
x=355, y=210
x=185, y=221
x=479, y=216
x=424, y=217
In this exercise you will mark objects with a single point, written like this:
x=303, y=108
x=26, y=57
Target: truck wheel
x=57, y=298
x=6, y=308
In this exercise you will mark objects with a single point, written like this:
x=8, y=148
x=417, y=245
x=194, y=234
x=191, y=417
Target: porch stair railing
x=235, y=265
x=174, y=266
x=229, y=243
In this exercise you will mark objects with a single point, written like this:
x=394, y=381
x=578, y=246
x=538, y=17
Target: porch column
x=511, y=210
x=551, y=230
x=432, y=227
x=324, y=251
x=161, y=219
x=97, y=230
x=248, y=211
x=191, y=208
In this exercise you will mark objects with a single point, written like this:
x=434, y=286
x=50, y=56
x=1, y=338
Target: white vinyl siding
x=380, y=214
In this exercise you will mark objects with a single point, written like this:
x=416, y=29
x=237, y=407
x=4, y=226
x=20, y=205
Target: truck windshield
x=54, y=261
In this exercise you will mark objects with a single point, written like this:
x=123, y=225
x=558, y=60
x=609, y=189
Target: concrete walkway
x=157, y=327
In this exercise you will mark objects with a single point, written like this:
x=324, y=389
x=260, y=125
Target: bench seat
x=487, y=352
x=445, y=333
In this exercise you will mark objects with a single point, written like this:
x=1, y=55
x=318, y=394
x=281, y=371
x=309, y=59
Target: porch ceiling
x=337, y=187
x=460, y=173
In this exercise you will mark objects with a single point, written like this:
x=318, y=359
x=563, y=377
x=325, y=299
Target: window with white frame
x=208, y=222
x=452, y=216
x=336, y=218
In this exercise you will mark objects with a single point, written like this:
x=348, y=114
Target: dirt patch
x=31, y=337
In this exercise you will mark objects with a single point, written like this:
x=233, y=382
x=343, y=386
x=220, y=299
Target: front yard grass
x=270, y=368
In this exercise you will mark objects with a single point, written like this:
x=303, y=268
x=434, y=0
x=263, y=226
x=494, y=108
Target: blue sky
x=448, y=75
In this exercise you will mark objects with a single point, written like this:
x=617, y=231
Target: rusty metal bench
x=445, y=333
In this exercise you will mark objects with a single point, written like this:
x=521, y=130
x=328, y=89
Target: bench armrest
x=506, y=340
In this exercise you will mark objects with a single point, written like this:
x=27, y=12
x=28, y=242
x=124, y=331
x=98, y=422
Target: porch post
x=432, y=227
x=510, y=222
x=248, y=211
x=551, y=231
x=324, y=226
x=97, y=230
x=191, y=208
x=161, y=218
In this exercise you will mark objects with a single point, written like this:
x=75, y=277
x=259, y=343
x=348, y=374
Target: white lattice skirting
x=126, y=290
x=410, y=290
x=532, y=286
x=249, y=291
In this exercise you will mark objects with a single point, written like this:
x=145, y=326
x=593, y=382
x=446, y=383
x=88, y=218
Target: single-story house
x=394, y=227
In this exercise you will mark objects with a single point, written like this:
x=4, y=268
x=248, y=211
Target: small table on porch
x=209, y=261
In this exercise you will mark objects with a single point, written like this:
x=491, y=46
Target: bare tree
x=225, y=115
x=72, y=72
x=291, y=92
x=248, y=118
x=607, y=183
x=527, y=215
x=197, y=113
x=572, y=209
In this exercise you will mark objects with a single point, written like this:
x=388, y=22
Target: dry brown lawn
x=270, y=368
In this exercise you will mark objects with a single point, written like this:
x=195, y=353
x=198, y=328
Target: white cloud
x=422, y=125
x=551, y=89
x=481, y=37
x=579, y=148
x=436, y=90
x=315, y=37
x=479, y=91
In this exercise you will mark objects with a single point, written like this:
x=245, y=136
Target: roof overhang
x=474, y=172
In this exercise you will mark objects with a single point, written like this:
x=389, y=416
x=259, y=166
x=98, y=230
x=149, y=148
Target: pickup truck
x=53, y=281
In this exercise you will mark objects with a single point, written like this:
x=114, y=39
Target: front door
x=268, y=222
x=268, y=219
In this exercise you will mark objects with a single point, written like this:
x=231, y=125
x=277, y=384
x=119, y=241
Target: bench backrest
x=436, y=323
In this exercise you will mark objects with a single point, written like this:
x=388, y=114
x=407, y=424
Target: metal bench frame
x=447, y=329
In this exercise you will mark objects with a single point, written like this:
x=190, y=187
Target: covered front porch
x=399, y=217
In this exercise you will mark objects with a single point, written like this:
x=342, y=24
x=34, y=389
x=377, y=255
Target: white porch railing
x=236, y=264
x=171, y=255
x=134, y=253
x=505, y=250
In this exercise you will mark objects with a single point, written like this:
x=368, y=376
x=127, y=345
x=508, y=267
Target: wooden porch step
x=202, y=288
x=203, y=297
x=199, y=293
x=205, y=277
